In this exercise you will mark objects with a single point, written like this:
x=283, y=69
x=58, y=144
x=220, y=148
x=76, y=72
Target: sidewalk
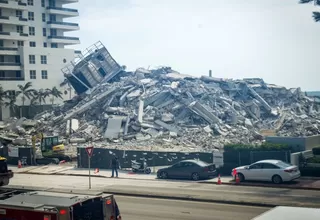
x=71, y=170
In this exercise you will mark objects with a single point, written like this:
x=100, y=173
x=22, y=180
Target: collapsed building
x=162, y=109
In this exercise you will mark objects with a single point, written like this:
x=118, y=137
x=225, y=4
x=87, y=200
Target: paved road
x=158, y=209
x=207, y=192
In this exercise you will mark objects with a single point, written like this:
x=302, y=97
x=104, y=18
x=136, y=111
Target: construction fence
x=234, y=159
x=101, y=157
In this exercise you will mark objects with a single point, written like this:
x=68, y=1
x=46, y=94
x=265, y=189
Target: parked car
x=276, y=171
x=188, y=169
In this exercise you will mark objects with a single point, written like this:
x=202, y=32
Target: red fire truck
x=42, y=205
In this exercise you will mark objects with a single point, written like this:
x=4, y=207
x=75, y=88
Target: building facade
x=33, y=36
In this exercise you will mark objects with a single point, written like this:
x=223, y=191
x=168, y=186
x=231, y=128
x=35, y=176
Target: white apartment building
x=33, y=36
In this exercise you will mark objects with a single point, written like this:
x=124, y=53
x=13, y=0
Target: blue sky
x=276, y=40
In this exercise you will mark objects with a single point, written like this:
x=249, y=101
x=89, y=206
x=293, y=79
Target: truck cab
x=5, y=174
x=43, y=205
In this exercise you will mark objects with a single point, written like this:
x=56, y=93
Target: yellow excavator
x=53, y=150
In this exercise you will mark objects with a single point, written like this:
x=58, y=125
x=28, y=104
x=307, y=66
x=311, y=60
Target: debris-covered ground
x=162, y=109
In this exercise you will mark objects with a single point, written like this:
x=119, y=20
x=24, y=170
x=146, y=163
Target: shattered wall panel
x=113, y=128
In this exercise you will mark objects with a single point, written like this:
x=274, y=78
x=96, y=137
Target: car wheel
x=195, y=176
x=163, y=175
x=276, y=179
x=241, y=177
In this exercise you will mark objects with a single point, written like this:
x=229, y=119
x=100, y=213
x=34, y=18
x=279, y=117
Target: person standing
x=114, y=165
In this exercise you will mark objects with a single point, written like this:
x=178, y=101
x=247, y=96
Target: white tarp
x=13, y=151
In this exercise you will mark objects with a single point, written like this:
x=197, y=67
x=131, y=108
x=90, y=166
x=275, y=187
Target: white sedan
x=276, y=171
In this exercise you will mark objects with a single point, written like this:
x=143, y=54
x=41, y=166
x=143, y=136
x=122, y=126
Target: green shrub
x=310, y=171
x=314, y=160
x=316, y=151
x=262, y=147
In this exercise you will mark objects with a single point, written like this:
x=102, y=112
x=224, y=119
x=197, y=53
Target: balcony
x=66, y=26
x=68, y=1
x=8, y=50
x=13, y=36
x=63, y=40
x=10, y=66
x=11, y=78
x=13, y=20
x=13, y=5
x=66, y=12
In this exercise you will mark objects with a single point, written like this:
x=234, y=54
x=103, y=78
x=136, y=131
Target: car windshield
x=202, y=163
x=283, y=164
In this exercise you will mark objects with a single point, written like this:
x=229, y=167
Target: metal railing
x=11, y=78
x=4, y=17
x=21, y=3
x=63, y=23
x=64, y=38
x=9, y=64
x=4, y=2
x=24, y=35
x=62, y=9
x=4, y=33
x=9, y=48
x=23, y=19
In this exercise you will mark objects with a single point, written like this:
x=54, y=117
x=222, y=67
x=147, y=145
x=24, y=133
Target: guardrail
x=63, y=23
x=63, y=38
x=62, y=9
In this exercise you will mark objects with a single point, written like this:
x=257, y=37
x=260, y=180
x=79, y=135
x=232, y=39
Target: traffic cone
x=219, y=180
x=237, y=179
x=96, y=170
x=19, y=164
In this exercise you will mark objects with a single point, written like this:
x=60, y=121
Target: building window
x=53, y=17
x=52, y=3
x=20, y=43
x=30, y=2
x=54, y=45
x=33, y=74
x=32, y=44
x=1, y=43
x=45, y=44
x=44, y=74
x=32, y=59
x=43, y=17
x=2, y=74
x=53, y=32
x=43, y=59
x=44, y=32
x=18, y=74
x=17, y=59
x=43, y=3
x=18, y=13
x=32, y=31
x=19, y=29
x=31, y=16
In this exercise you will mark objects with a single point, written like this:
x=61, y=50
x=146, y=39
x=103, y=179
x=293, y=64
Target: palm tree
x=41, y=96
x=11, y=103
x=26, y=93
x=316, y=15
x=55, y=93
x=2, y=96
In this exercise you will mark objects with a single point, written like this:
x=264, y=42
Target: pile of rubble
x=162, y=109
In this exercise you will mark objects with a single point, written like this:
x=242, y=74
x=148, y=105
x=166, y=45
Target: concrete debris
x=161, y=109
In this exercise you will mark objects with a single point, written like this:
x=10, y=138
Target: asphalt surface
x=134, y=208
x=243, y=195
